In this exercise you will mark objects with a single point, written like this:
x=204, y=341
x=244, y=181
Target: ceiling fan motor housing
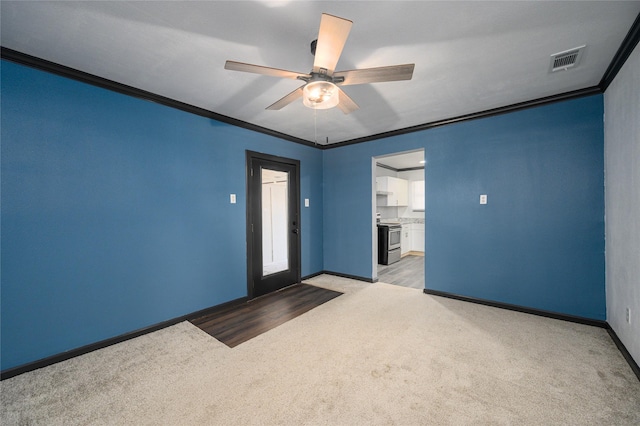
x=321, y=76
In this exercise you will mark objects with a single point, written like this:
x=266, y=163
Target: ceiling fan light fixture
x=320, y=95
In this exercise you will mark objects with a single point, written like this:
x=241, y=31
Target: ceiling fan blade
x=279, y=104
x=346, y=104
x=332, y=36
x=258, y=69
x=376, y=75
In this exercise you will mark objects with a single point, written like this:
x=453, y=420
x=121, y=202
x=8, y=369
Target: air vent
x=564, y=60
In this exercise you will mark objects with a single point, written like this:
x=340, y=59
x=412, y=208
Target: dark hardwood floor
x=237, y=324
x=408, y=272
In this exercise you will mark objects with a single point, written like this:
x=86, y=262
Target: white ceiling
x=405, y=160
x=469, y=56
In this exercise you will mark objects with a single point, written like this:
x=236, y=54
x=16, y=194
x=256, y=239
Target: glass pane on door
x=275, y=220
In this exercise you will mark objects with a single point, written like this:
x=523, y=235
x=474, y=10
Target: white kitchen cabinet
x=391, y=191
x=405, y=241
x=402, y=192
x=417, y=237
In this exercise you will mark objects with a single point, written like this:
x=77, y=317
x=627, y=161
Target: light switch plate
x=232, y=198
x=483, y=199
x=306, y=202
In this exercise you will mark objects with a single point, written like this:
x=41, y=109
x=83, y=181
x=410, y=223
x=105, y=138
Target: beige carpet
x=379, y=354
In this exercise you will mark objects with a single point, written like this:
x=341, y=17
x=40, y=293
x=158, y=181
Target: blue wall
x=539, y=242
x=116, y=213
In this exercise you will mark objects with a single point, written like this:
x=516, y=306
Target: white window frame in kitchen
x=417, y=196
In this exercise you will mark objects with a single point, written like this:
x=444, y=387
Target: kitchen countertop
x=404, y=220
x=401, y=221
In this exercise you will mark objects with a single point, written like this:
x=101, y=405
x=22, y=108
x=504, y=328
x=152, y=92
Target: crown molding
x=624, y=51
x=626, y=48
x=474, y=116
x=84, y=77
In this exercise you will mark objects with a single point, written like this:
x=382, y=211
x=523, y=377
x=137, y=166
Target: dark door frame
x=293, y=198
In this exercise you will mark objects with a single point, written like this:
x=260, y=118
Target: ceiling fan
x=320, y=90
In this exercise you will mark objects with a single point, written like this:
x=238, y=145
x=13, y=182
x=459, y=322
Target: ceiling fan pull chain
x=315, y=126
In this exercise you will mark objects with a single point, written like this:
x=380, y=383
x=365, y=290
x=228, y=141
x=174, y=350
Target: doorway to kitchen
x=273, y=225
x=399, y=218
